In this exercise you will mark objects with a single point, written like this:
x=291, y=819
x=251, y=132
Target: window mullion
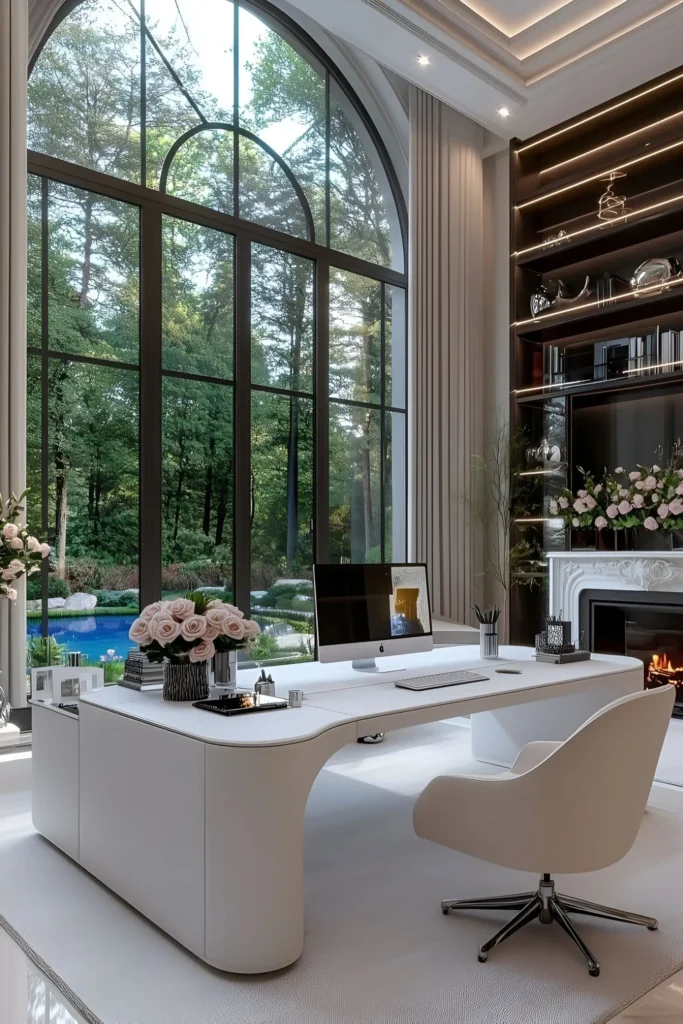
x=322, y=412
x=150, y=405
x=242, y=435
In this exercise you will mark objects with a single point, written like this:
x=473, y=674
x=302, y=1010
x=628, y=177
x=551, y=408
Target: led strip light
x=547, y=387
x=598, y=177
x=655, y=366
x=595, y=227
x=600, y=302
x=612, y=142
x=600, y=113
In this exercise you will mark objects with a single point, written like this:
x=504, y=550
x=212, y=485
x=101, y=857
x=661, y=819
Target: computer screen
x=358, y=604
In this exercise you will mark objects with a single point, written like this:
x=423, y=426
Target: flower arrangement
x=191, y=629
x=20, y=553
x=649, y=496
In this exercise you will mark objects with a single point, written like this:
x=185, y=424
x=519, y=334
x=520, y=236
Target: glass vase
x=488, y=640
x=654, y=540
x=225, y=669
x=186, y=680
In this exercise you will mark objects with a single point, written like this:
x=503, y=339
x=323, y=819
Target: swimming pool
x=92, y=635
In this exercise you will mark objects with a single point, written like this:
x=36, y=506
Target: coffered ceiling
x=541, y=60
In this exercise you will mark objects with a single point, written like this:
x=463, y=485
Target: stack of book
x=142, y=674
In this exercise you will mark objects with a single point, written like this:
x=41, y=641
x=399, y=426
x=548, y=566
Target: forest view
x=89, y=105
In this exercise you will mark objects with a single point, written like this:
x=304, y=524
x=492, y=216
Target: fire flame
x=662, y=664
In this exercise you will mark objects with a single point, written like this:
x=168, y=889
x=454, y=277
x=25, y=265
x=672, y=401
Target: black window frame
x=153, y=204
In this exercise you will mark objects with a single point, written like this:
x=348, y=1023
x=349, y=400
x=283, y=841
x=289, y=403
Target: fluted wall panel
x=447, y=378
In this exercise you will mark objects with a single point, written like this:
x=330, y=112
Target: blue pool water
x=92, y=635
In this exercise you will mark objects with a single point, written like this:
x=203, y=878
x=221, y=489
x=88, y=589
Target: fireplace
x=643, y=625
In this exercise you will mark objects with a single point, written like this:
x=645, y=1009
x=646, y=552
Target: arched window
x=217, y=318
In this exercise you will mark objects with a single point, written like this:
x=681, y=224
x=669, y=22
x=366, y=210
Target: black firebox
x=642, y=625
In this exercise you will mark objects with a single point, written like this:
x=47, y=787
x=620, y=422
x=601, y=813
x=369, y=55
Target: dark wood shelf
x=606, y=241
x=623, y=314
x=626, y=383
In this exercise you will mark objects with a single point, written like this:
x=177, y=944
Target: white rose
x=553, y=507
x=181, y=609
x=612, y=511
x=194, y=627
x=9, y=531
x=33, y=544
x=579, y=506
x=148, y=613
x=651, y=524
x=163, y=628
x=563, y=503
x=11, y=594
x=638, y=500
x=676, y=507
x=139, y=632
x=44, y=550
x=251, y=628
x=575, y=522
x=624, y=507
x=9, y=574
x=217, y=617
x=590, y=502
x=663, y=511
x=635, y=475
x=619, y=469
x=600, y=523
x=17, y=543
x=649, y=483
x=203, y=651
x=234, y=628
x=581, y=494
x=234, y=610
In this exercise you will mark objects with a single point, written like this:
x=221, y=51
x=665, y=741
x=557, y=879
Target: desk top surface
x=335, y=694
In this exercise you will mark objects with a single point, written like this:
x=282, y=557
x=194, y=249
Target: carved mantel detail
x=574, y=571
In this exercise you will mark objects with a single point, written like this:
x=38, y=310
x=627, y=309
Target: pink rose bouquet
x=20, y=553
x=191, y=629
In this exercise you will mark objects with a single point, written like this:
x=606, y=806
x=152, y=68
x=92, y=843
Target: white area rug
x=378, y=949
x=670, y=767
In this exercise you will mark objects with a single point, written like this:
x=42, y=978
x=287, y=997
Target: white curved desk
x=197, y=820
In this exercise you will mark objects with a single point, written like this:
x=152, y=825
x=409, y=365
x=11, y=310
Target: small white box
x=56, y=684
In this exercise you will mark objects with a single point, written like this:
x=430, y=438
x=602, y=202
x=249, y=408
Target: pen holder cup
x=488, y=640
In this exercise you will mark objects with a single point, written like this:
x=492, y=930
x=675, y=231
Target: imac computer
x=367, y=611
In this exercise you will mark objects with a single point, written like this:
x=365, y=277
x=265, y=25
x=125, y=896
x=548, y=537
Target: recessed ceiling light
x=504, y=112
x=423, y=60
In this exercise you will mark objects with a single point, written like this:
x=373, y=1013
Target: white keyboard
x=441, y=679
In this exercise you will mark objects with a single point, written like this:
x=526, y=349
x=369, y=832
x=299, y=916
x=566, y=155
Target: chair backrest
x=599, y=780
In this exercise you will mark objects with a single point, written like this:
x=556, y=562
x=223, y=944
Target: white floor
x=400, y=767
x=670, y=767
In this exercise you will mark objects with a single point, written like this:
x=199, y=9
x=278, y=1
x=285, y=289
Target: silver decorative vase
x=225, y=669
x=488, y=640
x=187, y=680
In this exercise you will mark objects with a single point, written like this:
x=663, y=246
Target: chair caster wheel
x=653, y=927
x=594, y=972
x=482, y=957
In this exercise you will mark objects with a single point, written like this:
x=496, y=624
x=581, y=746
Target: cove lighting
x=423, y=60
x=547, y=387
x=540, y=519
x=599, y=225
x=503, y=112
x=600, y=175
x=598, y=302
x=600, y=113
x=612, y=142
x=655, y=366
x=539, y=472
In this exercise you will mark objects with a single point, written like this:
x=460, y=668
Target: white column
x=447, y=373
x=13, y=67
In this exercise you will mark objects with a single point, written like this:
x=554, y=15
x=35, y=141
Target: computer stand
x=370, y=665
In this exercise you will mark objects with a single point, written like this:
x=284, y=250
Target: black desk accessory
x=240, y=703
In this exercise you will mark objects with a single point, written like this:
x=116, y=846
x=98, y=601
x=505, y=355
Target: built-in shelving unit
x=590, y=365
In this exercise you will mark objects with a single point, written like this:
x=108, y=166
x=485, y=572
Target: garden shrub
x=55, y=587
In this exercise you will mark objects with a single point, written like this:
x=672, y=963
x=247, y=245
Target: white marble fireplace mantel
x=574, y=571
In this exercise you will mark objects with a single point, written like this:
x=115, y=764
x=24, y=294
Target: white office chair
x=563, y=807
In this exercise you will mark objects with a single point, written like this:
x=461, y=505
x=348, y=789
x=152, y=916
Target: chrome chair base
x=548, y=906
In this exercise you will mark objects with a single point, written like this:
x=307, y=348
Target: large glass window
x=216, y=322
